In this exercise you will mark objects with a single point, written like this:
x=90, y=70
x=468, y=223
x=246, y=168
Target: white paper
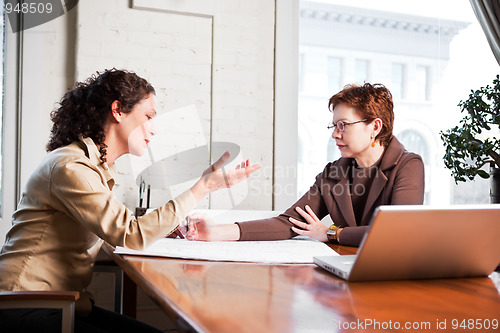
x=298, y=250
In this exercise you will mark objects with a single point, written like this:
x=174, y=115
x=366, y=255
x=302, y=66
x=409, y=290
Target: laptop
x=423, y=242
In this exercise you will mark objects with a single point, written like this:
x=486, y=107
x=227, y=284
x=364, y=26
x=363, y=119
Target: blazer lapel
x=391, y=156
x=378, y=185
x=342, y=194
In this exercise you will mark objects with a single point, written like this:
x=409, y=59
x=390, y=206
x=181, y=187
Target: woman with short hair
x=374, y=170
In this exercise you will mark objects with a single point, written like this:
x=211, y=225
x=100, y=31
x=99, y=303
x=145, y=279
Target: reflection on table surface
x=247, y=297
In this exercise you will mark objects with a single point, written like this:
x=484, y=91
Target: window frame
x=286, y=103
x=10, y=128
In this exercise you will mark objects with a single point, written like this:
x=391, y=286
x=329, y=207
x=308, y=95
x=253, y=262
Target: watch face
x=331, y=235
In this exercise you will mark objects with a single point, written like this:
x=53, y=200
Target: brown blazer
x=399, y=180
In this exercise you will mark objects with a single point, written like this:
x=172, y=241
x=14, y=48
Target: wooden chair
x=64, y=300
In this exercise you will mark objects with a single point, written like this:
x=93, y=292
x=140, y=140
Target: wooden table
x=245, y=297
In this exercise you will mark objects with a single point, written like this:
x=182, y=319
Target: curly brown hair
x=371, y=101
x=84, y=110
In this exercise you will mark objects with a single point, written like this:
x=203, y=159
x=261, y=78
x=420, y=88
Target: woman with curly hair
x=67, y=209
x=374, y=170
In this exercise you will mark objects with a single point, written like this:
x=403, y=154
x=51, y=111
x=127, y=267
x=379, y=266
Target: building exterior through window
x=410, y=55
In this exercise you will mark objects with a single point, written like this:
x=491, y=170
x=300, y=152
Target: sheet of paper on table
x=298, y=250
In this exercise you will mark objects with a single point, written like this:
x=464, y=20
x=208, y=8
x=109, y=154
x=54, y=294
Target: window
x=398, y=81
x=334, y=74
x=361, y=71
x=430, y=60
x=422, y=81
x=332, y=152
x=415, y=142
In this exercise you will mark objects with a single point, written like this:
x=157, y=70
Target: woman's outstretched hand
x=199, y=227
x=215, y=177
x=312, y=227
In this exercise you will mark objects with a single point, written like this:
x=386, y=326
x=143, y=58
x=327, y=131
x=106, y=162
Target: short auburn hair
x=371, y=101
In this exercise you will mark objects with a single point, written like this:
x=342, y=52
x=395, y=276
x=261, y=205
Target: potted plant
x=476, y=141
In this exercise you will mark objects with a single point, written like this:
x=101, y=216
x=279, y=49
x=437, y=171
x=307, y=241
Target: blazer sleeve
x=277, y=228
x=353, y=236
x=409, y=183
x=77, y=190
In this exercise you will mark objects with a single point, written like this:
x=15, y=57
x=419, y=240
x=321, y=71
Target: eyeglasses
x=342, y=124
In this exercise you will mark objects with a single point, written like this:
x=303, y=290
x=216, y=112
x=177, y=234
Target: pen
x=141, y=190
x=147, y=197
x=178, y=231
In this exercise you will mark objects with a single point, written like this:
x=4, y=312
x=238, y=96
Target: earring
x=373, y=144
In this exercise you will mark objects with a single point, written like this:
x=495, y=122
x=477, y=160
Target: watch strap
x=332, y=233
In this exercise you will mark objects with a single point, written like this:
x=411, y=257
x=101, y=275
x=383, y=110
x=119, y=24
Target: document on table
x=284, y=251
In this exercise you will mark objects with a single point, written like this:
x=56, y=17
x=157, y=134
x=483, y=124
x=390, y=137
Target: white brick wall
x=45, y=78
x=223, y=65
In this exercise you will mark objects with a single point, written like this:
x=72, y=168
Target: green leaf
x=465, y=153
x=483, y=174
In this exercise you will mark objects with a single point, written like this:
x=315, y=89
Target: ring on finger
x=305, y=225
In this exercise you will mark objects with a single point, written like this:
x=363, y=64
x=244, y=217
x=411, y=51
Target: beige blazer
x=66, y=211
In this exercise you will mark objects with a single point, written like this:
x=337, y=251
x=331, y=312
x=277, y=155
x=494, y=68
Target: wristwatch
x=331, y=234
